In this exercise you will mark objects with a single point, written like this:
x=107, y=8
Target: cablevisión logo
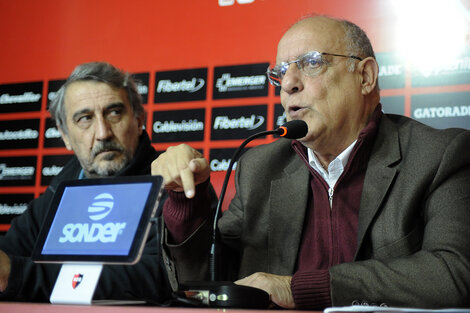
x=178, y=125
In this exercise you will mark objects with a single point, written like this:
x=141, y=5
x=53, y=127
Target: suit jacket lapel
x=288, y=203
x=379, y=176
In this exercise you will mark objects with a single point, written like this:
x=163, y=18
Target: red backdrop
x=45, y=40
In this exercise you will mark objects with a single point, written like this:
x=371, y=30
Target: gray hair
x=98, y=72
x=356, y=42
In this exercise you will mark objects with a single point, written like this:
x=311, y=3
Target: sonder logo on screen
x=101, y=207
x=98, y=210
x=97, y=220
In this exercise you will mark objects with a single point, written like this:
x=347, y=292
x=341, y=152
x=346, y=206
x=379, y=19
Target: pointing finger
x=187, y=180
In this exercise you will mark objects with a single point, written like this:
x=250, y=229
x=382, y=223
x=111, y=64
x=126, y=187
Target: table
x=22, y=307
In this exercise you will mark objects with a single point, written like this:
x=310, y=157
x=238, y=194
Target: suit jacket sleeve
x=414, y=233
x=189, y=260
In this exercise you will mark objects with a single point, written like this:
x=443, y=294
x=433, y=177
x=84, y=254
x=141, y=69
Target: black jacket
x=29, y=281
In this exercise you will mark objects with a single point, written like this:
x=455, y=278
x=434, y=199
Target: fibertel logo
x=76, y=280
x=86, y=232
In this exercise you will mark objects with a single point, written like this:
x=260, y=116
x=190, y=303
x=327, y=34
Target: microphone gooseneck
x=217, y=293
x=291, y=130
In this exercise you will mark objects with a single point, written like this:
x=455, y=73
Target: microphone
x=217, y=293
x=294, y=129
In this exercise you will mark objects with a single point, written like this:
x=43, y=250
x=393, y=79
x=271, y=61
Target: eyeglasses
x=309, y=63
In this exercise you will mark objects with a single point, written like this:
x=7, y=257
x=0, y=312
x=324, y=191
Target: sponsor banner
x=219, y=163
x=238, y=122
x=391, y=71
x=12, y=205
x=182, y=85
x=24, y=97
x=393, y=104
x=442, y=110
x=452, y=71
x=19, y=134
x=279, y=115
x=178, y=125
x=51, y=166
x=240, y=81
x=220, y=159
x=52, y=136
x=142, y=80
x=52, y=87
x=17, y=171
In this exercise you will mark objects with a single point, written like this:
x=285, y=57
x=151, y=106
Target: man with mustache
x=366, y=208
x=100, y=116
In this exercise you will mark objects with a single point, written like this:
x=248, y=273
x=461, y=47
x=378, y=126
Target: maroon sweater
x=329, y=235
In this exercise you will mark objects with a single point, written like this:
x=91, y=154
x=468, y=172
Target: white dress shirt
x=335, y=168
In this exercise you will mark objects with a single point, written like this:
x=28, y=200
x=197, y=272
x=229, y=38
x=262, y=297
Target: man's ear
x=141, y=122
x=65, y=138
x=369, y=70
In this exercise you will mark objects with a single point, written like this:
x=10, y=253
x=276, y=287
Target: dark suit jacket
x=33, y=282
x=414, y=219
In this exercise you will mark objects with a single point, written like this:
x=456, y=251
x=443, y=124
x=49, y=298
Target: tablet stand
x=76, y=283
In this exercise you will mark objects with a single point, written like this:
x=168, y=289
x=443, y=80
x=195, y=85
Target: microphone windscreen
x=293, y=129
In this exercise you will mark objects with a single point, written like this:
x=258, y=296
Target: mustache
x=106, y=146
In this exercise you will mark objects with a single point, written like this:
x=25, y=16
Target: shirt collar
x=337, y=165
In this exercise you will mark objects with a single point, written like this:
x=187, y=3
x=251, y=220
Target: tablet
x=99, y=220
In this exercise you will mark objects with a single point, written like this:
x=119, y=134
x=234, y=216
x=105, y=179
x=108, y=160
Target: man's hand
x=278, y=287
x=182, y=168
x=5, y=268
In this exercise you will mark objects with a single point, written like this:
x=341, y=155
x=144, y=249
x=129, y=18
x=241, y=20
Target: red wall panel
x=45, y=40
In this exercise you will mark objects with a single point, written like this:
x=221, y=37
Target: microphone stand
x=217, y=293
x=215, y=234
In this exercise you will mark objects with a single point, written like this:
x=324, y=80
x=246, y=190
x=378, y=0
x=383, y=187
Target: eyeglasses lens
x=309, y=64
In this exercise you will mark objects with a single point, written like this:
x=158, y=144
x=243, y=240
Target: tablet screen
x=98, y=220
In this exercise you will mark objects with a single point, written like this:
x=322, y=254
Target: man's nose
x=292, y=80
x=103, y=129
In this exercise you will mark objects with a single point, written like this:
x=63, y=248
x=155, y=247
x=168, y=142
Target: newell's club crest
x=76, y=280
